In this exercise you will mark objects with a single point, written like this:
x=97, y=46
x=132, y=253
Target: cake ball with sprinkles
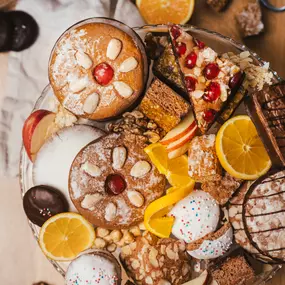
x=195, y=216
x=94, y=267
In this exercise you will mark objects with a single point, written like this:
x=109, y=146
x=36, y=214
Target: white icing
x=215, y=248
x=195, y=216
x=91, y=269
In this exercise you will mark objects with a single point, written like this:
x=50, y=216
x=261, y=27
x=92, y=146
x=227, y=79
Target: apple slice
x=182, y=141
x=201, y=280
x=35, y=131
x=187, y=124
x=179, y=151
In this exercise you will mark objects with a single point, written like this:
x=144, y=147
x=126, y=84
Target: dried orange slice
x=64, y=236
x=240, y=150
x=166, y=11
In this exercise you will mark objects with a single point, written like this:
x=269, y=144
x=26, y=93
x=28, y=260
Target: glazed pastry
x=42, y=202
x=264, y=215
x=221, y=190
x=212, y=245
x=195, y=216
x=112, y=181
x=202, y=159
x=94, y=267
x=97, y=71
x=164, y=106
x=158, y=262
x=267, y=111
x=209, y=79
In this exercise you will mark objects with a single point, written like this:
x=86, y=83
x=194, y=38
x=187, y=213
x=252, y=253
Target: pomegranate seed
x=213, y=92
x=190, y=83
x=211, y=71
x=199, y=44
x=180, y=48
x=209, y=115
x=190, y=60
x=115, y=184
x=175, y=32
x=235, y=80
x=103, y=73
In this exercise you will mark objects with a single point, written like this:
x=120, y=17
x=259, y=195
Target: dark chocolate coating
x=42, y=202
x=25, y=30
x=6, y=30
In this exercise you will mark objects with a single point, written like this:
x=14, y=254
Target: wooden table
x=21, y=260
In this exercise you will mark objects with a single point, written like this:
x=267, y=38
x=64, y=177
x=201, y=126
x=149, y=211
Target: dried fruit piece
x=199, y=44
x=236, y=80
x=175, y=32
x=180, y=48
x=190, y=83
x=190, y=60
x=209, y=115
x=211, y=71
x=213, y=92
x=103, y=73
x=115, y=184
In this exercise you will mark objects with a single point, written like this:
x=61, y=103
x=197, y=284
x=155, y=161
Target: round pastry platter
x=220, y=43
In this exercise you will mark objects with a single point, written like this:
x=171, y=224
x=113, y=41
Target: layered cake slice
x=210, y=80
x=267, y=111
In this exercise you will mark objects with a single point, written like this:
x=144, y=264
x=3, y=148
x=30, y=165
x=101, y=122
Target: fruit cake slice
x=209, y=79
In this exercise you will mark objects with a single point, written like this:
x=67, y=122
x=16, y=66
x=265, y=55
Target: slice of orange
x=166, y=11
x=240, y=150
x=64, y=236
x=153, y=216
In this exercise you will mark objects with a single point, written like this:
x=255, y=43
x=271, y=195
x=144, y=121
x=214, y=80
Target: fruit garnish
x=211, y=71
x=103, y=73
x=190, y=60
x=115, y=184
x=180, y=48
x=64, y=236
x=240, y=150
x=209, y=115
x=213, y=92
x=190, y=83
x=199, y=44
x=235, y=80
x=162, y=226
x=175, y=32
x=162, y=12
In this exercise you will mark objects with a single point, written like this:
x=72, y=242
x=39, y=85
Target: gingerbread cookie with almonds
x=112, y=181
x=97, y=70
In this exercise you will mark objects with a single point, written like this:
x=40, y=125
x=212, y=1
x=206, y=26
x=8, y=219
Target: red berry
x=235, y=80
x=213, y=92
x=190, y=60
x=115, y=184
x=209, y=115
x=190, y=83
x=199, y=44
x=211, y=71
x=175, y=32
x=103, y=73
x=180, y=48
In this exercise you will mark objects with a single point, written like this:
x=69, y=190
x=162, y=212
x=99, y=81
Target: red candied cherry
x=103, y=73
x=209, y=115
x=175, y=32
x=213, y=92
x=211, y=71
x=199, y=44
x=190, y=60
x=115, y=184
x=180, y=48
x=190, y=83
x=235, y=80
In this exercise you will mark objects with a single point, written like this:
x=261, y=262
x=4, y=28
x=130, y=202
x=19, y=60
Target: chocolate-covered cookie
x=6, y=29
x=42, y=202
x=25, y=30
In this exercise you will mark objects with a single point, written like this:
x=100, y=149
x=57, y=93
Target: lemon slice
x=64, y=236
x=159, y=225
x=240, y=150
x=165, y=11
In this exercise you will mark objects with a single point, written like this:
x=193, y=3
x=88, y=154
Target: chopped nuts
x=128, y=64
x=128, y=238
x=111, y=247
x=91, y=103
x=163, y=282
x=91, y=169
x=101, y=232
x=99, y=243
x=136, y=198
x=135, y=264
x=148, y=280
x=153, y=257
x=116, y=236
x=83, y=59
x=135, y=230
x=170, y=253
x=153, y=137
x=126, y=250
x=119, y=157
x=114, y=48
x=140, y=169
x=142, y=226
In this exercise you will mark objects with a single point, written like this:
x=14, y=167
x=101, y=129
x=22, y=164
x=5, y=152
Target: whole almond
x=77, y=85
x=83, y=59
x=140, y=169
x=90, y=200
x=91, y=103
x=119, y=157
x=91, y=169
x=114, y=49
x=128, y=64
x=110, y=212
x=123, y=89
x=136, y=198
